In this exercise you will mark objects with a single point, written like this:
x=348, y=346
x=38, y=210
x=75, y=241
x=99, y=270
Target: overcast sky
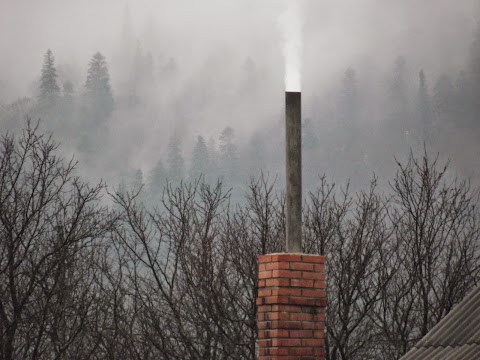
x=436, y=33
x=210, y=41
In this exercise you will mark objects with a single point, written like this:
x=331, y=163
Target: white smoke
x=291, y=25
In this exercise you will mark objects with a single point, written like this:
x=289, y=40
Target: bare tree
x=435, y=221
x=49, y=225
x=352, y=231
x=80, y=281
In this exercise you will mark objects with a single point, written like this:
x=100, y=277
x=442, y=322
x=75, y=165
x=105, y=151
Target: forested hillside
x=142, y=173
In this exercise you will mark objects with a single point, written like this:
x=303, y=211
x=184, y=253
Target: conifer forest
x=142, y=172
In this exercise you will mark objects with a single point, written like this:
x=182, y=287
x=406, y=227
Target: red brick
x=263, y=343
x=302, y=317
x=288, y=274
x=277, y=351
x=264, y=308
x=291, y=310
x=315, y=259
x=284, y=324
x=304, y=301
x=310, y=325
x=277, y=266
x=264, y=292
x=287, y=308
x=283, y=257
x=300, y=351
x=319, y=351
x=301, y=283
x=286, y=342
x=264, y=259
x=313, y=276
x=320, y=268
x=277, y=316
x=318, y=325
x=276, y=300
x=287, y=291
x=301, y=333
x=278, y=333
x=277, y=282
x=301, y=266
x=314, y=293
x=264, y=275
x=261, y=325
x=313, y=342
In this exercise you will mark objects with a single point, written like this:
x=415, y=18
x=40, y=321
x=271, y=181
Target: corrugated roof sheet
x=456, y=336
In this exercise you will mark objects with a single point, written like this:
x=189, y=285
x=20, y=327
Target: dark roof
x=456, y=336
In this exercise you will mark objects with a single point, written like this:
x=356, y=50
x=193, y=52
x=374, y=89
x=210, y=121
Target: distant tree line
x=81, y=280
x=359, y=132
x=169, y=271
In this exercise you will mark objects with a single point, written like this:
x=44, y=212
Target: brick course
x=291, y=306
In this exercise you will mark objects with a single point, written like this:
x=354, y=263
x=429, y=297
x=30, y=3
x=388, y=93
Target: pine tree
x=156, y=183
x=175, y=161
x=398, y=90
x=398, y=107
x=68, y=89
x=463, y=100
x=444, y=100
x=424, y=109
x=68, y=95
x=66, y=110
x=228, y=155
x=213, y=160
x=98, y=94
x=256, y=155
x=200, y=160
x=49, y=89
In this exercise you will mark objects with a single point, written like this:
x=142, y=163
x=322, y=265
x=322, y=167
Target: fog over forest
x=148, y=247
x=184, y=69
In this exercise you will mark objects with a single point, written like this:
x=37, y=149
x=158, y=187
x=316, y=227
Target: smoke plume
x=291, y=25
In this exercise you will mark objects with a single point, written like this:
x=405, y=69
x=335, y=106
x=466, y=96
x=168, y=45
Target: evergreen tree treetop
x=98, y=91
x=175, y=160
x=424, y=107
x=49, y=89
x=68, y=88
x=200, y=159
x=98, y=78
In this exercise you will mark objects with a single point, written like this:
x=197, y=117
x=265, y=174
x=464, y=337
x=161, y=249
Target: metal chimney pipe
x=293, y=134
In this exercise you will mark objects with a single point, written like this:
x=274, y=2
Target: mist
x=184, y=69
x=142, y=176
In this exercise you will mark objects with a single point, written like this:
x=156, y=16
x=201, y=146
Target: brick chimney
x=291, y=306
